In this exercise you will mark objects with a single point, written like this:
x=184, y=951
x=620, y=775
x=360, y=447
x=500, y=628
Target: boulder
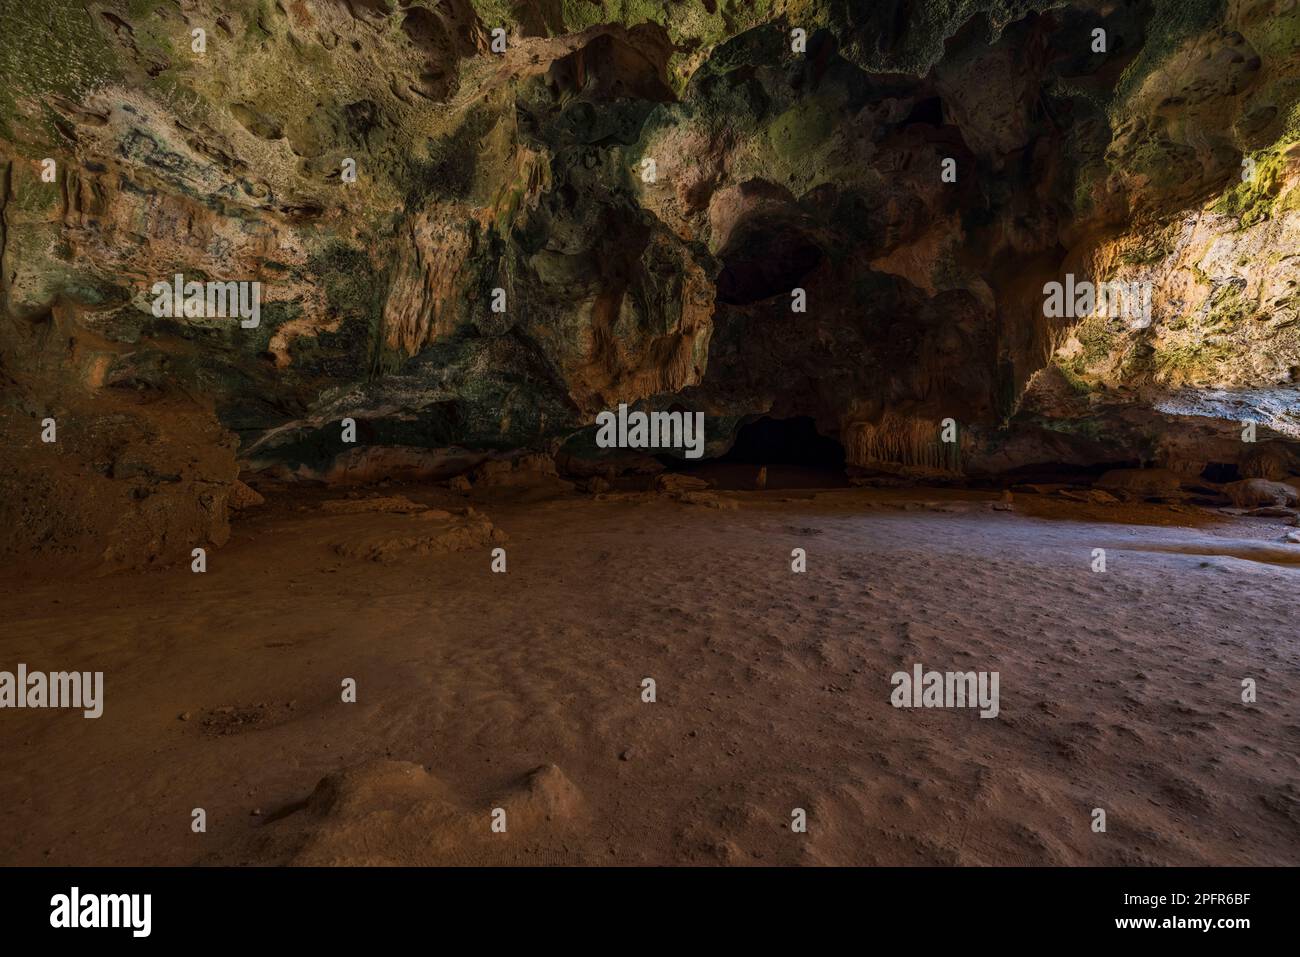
x=1132, y=484
x=1256, y=492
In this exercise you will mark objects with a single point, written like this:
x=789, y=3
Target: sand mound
x=386, y=812
x=545, y=795
x=430, y=531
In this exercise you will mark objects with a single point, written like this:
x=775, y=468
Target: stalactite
x=905, y=441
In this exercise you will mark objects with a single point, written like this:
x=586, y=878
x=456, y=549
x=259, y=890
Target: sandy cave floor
x=1118, y=690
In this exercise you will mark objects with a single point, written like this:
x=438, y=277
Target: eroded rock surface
x=523, y=180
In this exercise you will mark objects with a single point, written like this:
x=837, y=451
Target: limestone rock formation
x=469, y=251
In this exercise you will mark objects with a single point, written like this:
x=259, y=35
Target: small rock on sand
x=243, y=496
x=677, y=482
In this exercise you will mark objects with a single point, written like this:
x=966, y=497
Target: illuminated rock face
x=835, y=209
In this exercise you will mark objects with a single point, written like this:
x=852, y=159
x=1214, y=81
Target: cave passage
x=770, y=264
x=794, y=453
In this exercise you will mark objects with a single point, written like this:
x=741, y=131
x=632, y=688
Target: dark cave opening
x=774, y=453
x=1222, y=472
x=928, y=111
x=793, y=441
x=768, y=264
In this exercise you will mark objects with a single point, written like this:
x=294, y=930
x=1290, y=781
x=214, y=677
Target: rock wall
x=637, y=188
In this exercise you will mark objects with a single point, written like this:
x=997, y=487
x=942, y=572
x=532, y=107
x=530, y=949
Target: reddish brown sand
x=1118, y=690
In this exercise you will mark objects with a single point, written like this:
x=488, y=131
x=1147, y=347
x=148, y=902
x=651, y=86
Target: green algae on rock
x=521, y=177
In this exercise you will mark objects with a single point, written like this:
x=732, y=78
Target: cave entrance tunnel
x=792, y=451
x=766, y=263
x=767, y=254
